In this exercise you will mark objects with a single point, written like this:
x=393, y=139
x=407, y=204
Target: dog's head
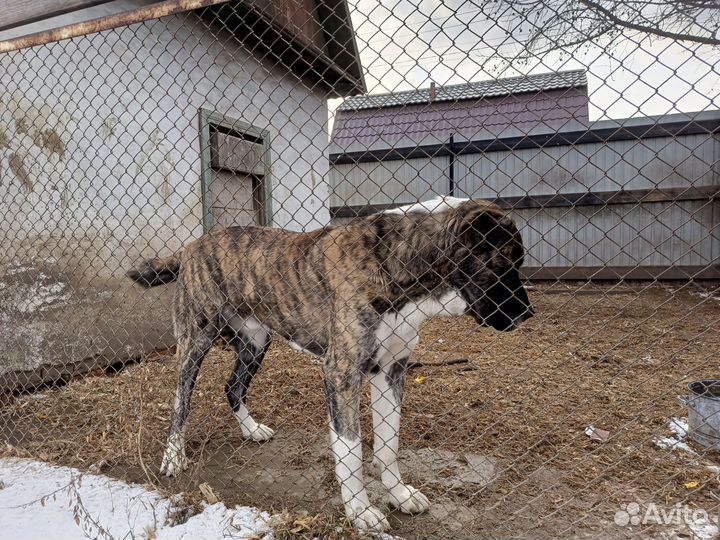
x=486, y=266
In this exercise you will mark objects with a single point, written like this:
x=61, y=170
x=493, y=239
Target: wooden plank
x=614, y=273
x=234, y=154
x=340, y=39
x=19, y=12
x=557, y=200
x=298, y=17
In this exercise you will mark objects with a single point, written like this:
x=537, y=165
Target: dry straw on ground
x=612, y=357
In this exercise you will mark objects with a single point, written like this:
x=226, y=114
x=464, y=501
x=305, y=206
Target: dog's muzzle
x=517, y=321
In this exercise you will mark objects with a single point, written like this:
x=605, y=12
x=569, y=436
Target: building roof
x=314, y=38
x=474, y=90
x=512, y=107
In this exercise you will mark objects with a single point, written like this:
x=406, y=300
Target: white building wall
x=100, y=165
x=99, y=140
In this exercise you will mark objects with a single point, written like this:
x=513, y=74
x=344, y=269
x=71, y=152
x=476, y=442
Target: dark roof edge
x=257, y=30
x=338, y=26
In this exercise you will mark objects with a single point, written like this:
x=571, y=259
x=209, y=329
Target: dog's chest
x=399, y=332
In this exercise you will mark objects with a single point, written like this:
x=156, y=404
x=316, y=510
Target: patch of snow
x=679, y=427
x=42, y=293
x=673, y=444
x=33, y=397
x=438, y=204
x=703, y=528
x=217, y=521
x=40, y=501
x=19, y=269
x=41, y=297
x=708, y=295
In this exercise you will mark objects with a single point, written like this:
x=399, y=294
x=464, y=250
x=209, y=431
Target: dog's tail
x=154, y=272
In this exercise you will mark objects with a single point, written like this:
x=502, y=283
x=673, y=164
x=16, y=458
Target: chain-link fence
x=135, y=138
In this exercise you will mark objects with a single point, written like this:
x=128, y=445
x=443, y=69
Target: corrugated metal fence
x=635, y=199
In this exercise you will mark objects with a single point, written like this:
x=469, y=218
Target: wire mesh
x=502, y=215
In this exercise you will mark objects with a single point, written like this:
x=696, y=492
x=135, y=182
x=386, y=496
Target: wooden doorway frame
x=208, y=118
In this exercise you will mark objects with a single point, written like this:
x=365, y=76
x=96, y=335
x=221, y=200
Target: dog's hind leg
x=191, y=351
x=251, y=343
x=387, y=386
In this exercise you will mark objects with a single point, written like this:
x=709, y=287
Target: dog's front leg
x=342, y=387
x=387, y=387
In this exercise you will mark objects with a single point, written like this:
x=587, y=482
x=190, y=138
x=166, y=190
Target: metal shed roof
x=474, y=90
x=319, y=45
x=514, y=107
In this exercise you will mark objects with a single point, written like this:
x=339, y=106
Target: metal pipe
x=22, y=18
x=153, y=11
x=451, y=170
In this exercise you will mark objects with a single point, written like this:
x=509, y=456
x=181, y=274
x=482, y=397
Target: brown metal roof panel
x=513, y=115
x=473, y=90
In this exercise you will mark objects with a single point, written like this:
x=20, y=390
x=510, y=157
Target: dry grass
x=287, y=526
x=614, y=358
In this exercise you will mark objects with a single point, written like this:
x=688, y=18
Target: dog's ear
x=483, y=228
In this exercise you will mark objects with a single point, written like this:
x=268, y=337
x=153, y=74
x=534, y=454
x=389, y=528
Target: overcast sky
x=406, y=44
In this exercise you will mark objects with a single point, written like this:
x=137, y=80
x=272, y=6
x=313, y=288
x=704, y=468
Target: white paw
x=368, y=518
x=408, y=499
x=260, y=433
x=174, y=461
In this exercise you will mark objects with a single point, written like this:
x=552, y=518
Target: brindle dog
x=355, y=295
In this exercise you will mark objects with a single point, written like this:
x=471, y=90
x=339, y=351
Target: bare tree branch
x=610, y=16
x=564, y=24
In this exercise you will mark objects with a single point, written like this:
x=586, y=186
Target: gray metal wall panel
x=651, y=163
x=390, y=182
x=653, y=234
x=715, y=253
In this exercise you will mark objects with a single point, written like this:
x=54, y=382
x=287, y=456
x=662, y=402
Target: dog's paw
x=407, y=499
x=260, y=433
x=368, y=519
x=174, y=460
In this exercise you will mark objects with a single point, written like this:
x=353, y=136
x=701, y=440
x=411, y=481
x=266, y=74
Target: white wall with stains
x=100, y=165
x=99, y=137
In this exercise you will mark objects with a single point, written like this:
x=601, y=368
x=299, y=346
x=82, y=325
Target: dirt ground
x=496, y=440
